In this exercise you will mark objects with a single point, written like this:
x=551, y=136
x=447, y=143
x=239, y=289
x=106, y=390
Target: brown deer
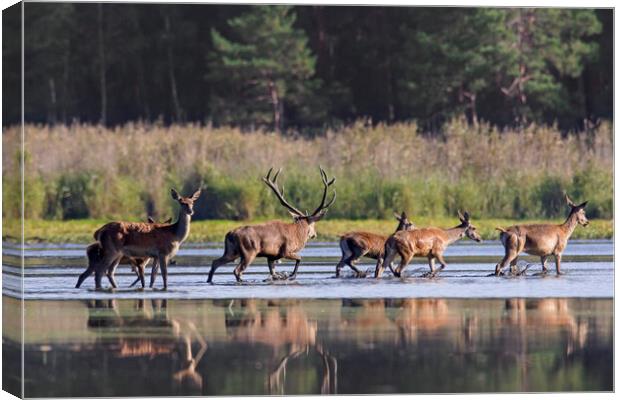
x=355, y=245
x=94, y=252
x=141, y=240
x=425, y=242
x=541, y=240
x=274, y=239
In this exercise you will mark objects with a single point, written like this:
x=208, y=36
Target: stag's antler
x=273, y=184
x=326, y=185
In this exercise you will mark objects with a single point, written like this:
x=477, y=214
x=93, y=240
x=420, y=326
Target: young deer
x=426, y=242
x=355, y=245
x=541, y=240
x=274, y=239
x=94, y=252
x=141, y=240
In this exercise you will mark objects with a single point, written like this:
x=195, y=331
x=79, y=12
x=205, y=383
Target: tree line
x=307, y=68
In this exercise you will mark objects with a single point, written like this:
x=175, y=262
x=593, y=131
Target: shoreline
x=80, y=231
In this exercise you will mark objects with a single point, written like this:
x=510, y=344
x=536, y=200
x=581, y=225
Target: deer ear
x=466, y=216
x=175, y=194
x=582, y=205
x=404, y=215
x=196, y=195
x=568, y=200
x=398, y=217
x=150, y=220
x=461, y=217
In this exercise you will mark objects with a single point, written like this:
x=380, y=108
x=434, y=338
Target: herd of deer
x=138, y=243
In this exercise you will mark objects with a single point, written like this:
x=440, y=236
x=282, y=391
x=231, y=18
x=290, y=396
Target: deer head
x=403, y=222
x=578, y=210
x=297, y=215
x=470, y=230
x=186, y=203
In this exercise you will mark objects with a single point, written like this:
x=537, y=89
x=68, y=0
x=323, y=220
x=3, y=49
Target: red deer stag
x=274, y=239
x=94, y=252
x=141, y=240
x=541, y=240
x=425, y=242
x=355, y=245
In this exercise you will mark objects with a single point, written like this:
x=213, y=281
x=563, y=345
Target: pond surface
x=461, y=332
x=311, y=346
x=52, y=270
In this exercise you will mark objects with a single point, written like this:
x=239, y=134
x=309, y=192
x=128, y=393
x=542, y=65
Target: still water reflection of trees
x=257, y=346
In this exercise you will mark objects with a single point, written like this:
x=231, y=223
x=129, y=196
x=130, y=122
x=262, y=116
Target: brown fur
x=274, y=239
x=355, y=245
x=94, y=253
x=141, y=240
x=425, y=242
x=542, y=240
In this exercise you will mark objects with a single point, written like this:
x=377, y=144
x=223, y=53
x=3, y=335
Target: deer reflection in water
x=405, y=321
x=285, y=327
x=534, y=314
x=166, y=337
x=528, y=322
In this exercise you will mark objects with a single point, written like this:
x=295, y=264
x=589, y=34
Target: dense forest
x=308, y=68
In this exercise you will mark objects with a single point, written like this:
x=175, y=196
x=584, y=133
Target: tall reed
x=80, y=171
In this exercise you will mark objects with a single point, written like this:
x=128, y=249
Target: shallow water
x=52, y=270
x=305, y=346
x=461, y=332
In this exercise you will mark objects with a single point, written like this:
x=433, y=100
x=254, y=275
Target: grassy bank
x=80, y=231
x=90, y=172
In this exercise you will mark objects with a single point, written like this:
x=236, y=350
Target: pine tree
x=264, y=67
x=540, y=48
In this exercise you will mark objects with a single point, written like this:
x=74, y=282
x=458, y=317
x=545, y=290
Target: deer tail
x=502, y=230
x=98, y=232
x=229, y=243
x=94, y=252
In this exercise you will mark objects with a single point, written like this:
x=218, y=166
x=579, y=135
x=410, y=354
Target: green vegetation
x=86, y=172
x=81, y=231
x=303, y=69
x=269, y=66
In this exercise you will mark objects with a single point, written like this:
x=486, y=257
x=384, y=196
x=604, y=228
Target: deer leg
x=154, y=270
x=442, y=262
x=218, y=262
x=431, y=264
x=272, y=270
x=98, y=279
x=110, y=271
x=134, y=268
x=297, y=259
x=111, y=280
x=558, y=261
x=387, y=261
x=351, y=263
x=511, y=252
x=246, y=260
x=506, y=260
x=543, y=261
x=346, y=252
x=141, y=273
x=84, y=275
x=139, y=269
x=270, y=264
x=163, y=261
x=404, y=261
x=339, y=266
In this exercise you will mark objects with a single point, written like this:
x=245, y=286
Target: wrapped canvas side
x=12, y=202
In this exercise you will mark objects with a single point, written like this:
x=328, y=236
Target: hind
x=230, y=255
